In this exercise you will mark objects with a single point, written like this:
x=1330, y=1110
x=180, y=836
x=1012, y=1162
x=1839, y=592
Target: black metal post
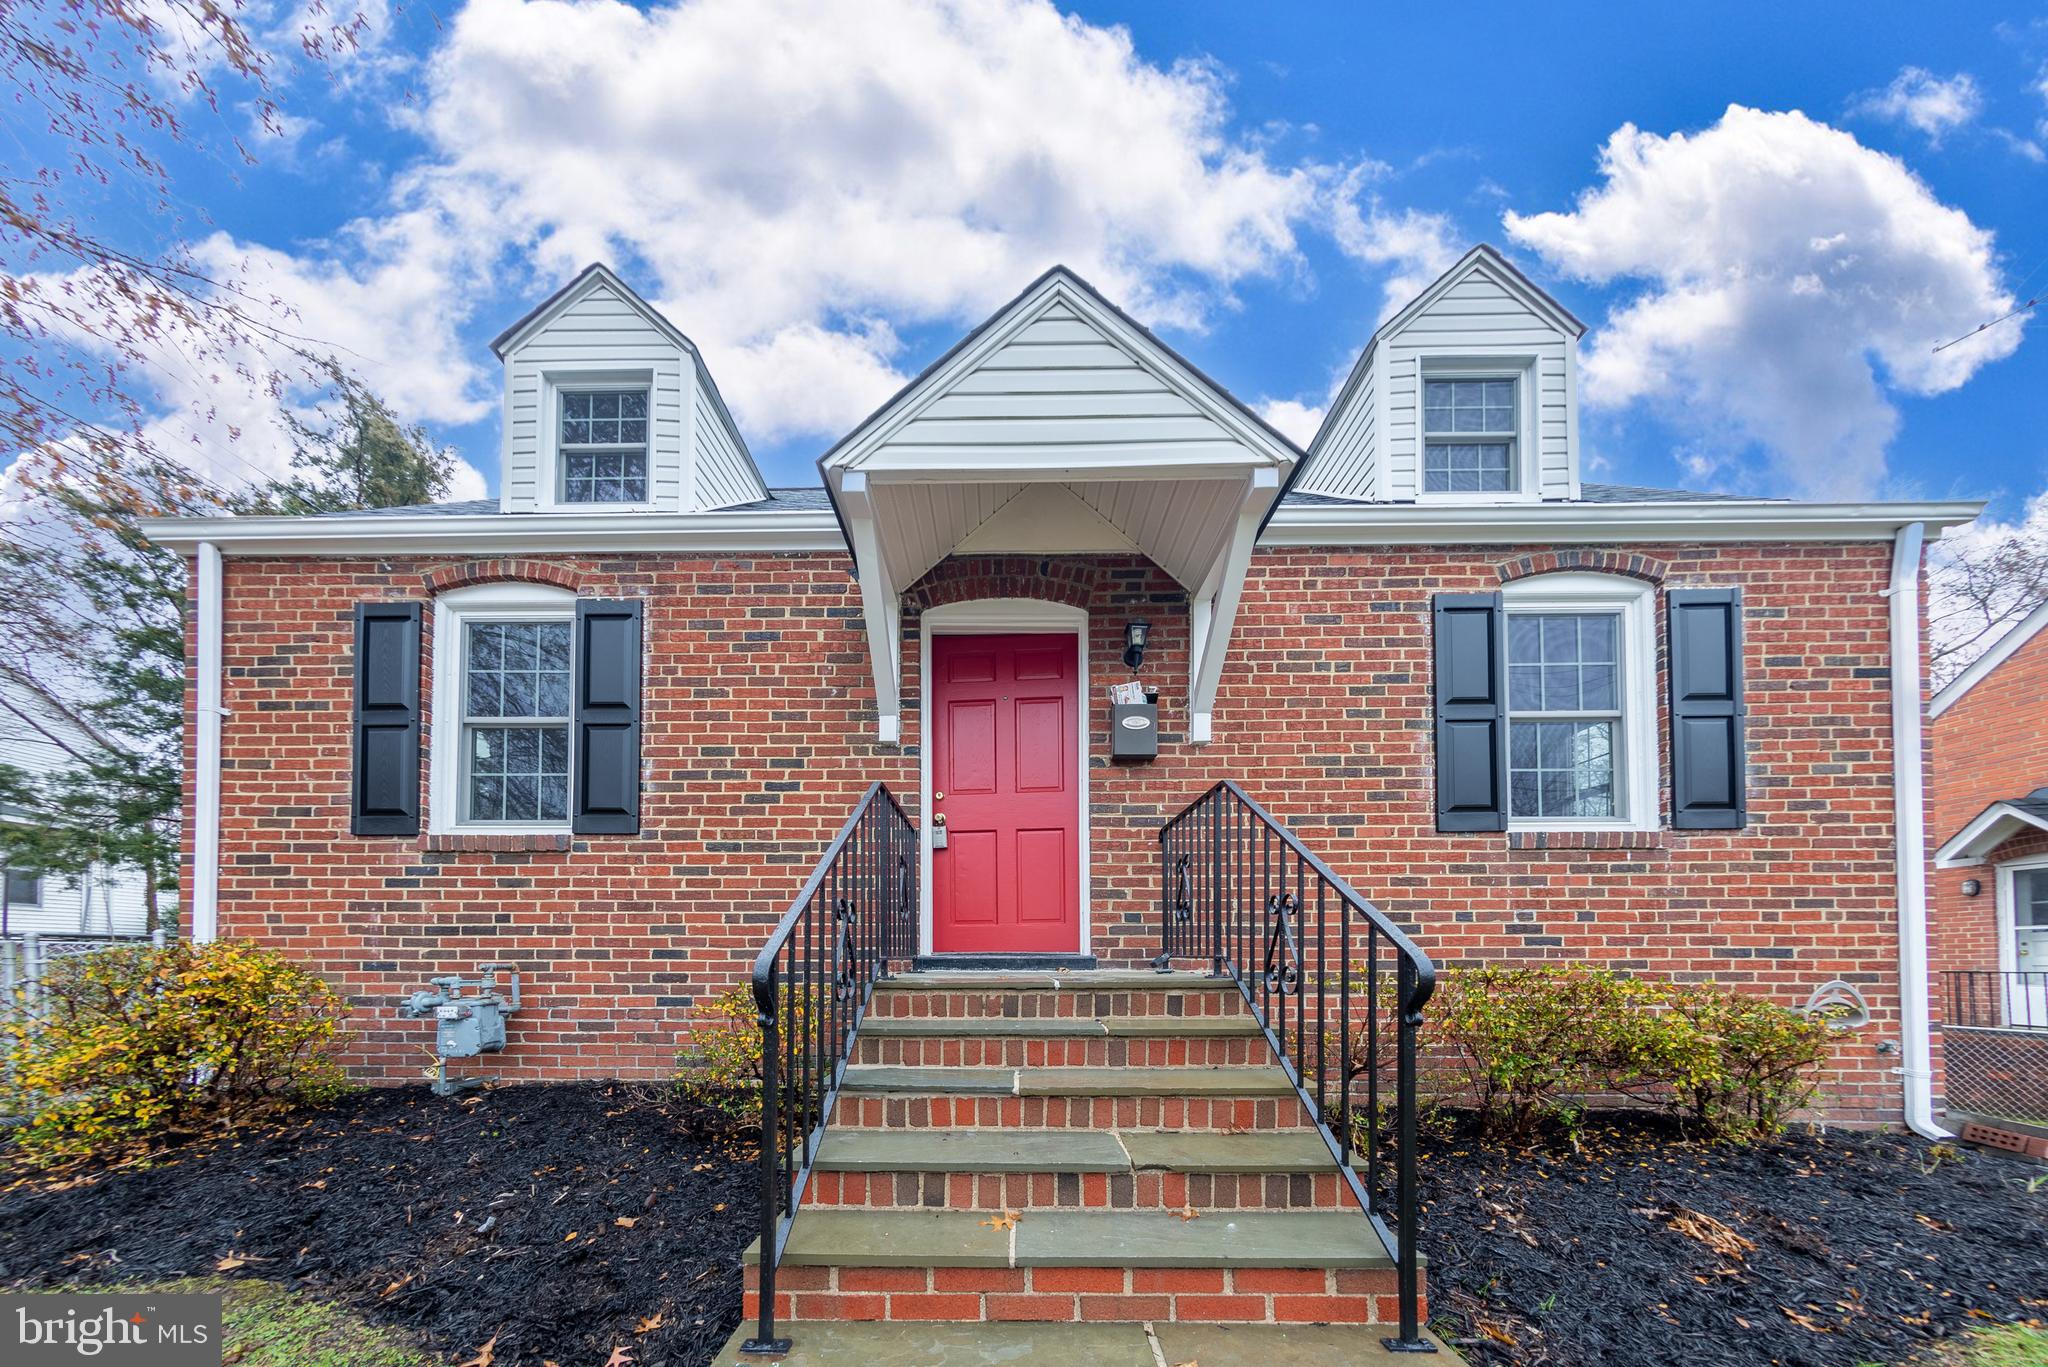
x=764, y=1340
x=1406, y=1261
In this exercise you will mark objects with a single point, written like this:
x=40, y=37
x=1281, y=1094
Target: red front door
x=1005, y=740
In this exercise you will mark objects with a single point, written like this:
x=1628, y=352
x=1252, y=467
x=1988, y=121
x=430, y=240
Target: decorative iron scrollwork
x=1282, y=976
x=848, y=985
x=1183, y=890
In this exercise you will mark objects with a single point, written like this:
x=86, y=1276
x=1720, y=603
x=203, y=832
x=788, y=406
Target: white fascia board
x=1056, y=465
x=501, y=533
x=2001, y=651
x=1408, y=524
x=1992, y=827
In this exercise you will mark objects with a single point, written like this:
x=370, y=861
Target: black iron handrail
x=812, y=980
x=1237, y=889
x=1989, y=999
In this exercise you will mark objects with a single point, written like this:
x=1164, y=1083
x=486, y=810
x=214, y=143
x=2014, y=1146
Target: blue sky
x=825, y=197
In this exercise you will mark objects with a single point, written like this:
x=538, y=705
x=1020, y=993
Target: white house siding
x=596, y=334
x=1344, y=462
x=1370, y=447
x=723, y=473
x=104, y=900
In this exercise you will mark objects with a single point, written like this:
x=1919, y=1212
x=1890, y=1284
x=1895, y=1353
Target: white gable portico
x=1059, y=426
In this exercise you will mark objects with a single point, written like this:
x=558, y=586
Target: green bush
x=1535, y=1044
x=719, y=1067
x=1766, y=1057
x=124, y=1044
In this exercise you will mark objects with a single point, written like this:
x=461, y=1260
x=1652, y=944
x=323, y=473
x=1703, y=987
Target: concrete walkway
x=846, y=1344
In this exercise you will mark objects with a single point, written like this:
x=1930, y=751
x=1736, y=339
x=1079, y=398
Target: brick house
x=1989, y=919
x=602, y=726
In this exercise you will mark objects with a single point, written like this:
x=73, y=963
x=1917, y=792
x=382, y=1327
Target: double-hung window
x=602, y=445
x=1581, y=702
x=1469, y=435
x=24, y=889
x=504, y=763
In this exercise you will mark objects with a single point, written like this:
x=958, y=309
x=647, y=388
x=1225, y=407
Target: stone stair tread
x=979, y=1027
x=847, y=1343
x=1174, y=1026
x=971, y=1151
x=1236, y=1081
x=869, y=1238
x=1073, y=1150
x=1194, y=1151
x=877, y=1077
x=1078, y=980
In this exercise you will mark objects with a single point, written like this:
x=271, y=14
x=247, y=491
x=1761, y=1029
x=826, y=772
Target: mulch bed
x=563, y=1221
x=1642, y=1248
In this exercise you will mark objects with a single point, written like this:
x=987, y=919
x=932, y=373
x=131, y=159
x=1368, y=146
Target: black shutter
x=1707, y=779
x=606, y=752
x=385, y=796
x=1471, y=714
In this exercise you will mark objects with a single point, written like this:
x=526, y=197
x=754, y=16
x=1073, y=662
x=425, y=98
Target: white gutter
x=1909, y=801
x=206, y=816
x=501, y=533
x=1395, y=524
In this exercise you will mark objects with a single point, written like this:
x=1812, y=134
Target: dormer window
x=1469, y=435
x=603, y=446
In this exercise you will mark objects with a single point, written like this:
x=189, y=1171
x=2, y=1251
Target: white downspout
x=1909, y=820
x=206, y=816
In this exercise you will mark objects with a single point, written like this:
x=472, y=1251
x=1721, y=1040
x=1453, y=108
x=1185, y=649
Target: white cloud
x=1414, y=247
x=1920, y=99
x=1297, y=421
x=779, y=173
x=1792, y=277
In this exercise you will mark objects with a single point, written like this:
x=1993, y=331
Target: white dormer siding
x=597, y=334
x=1481, y=320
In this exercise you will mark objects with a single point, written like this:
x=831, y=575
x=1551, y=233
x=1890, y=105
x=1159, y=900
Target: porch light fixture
x=1971, y=887
x=1136, y=634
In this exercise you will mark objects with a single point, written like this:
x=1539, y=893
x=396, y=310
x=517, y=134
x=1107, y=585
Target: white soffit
x=1046, y=517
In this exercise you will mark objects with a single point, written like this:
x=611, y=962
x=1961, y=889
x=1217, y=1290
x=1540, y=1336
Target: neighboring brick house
x=1989, y=920
x=601, y=726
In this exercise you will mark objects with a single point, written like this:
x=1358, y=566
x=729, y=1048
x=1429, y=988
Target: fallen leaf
x=569, y=1237
x=394, y=1286
x=626, y=1222
x=719, y=1206
x=619, y=1358
x=235, y=1260
x=1805, y=1322
x=1187, y=1213
x=648, y=1325
x=485, y=1355
x=1007, y=1220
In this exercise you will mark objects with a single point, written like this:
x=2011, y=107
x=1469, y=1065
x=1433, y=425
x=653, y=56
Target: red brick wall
x=760, y=717
x=1991, y=743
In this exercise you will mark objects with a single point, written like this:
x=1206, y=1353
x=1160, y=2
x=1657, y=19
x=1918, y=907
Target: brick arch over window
x=1645, y=567
x=1066, y=580
x=449, y=577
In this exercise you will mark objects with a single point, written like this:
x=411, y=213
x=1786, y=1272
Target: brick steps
x=1244, y=1098
x=1062, y=1266
x=1074, y=1146
x=1064, y=1169
x=1158, y=1041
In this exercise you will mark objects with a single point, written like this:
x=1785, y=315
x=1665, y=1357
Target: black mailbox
x=1134, y=729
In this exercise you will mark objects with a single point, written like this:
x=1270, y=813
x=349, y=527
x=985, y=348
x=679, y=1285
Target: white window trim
x=1636, y=773
x=554, y=384
x=2008, y=911
x=1525, y=456
x=454, y=611
x=32, y=904
x=997, y=616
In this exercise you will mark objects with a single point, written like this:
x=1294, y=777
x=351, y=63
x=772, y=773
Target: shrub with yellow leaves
x=125, y=1044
